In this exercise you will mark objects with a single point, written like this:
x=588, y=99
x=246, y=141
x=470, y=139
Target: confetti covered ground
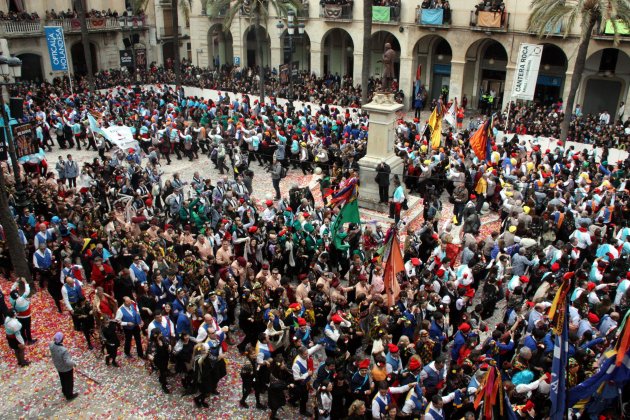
x=131, y=391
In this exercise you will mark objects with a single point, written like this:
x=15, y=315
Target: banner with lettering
x=526, y=72
x=56, y=48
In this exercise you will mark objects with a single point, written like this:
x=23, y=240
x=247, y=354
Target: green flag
x=380, y=13
x=349, y=214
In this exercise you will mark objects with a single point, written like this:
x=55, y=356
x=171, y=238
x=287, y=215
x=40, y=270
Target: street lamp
x=291, y=26
x=11, y=67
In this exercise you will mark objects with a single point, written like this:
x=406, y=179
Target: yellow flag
x=433, y=119
x=436, y=136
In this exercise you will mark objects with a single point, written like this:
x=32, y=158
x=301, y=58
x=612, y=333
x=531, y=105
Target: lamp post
x=12, y=67
x=291, y=26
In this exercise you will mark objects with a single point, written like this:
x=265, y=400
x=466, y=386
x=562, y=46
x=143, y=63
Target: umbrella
x=605, y=250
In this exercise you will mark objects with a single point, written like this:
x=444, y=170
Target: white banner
x=526, y=71
x=121, y=136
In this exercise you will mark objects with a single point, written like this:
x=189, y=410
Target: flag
x=451, y=114
x=96, y=128
x=346, y=194
x=479, y=142
x=623, y=342
x=559, y=317
x=417, y=83
x=394, y=265
x=349, y=214
x=608, y=373
x=435, y=122
x=491, y=394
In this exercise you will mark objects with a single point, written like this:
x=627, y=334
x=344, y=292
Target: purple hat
x=58, y=338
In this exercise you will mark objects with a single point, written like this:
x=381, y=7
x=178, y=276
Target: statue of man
x=388, y=66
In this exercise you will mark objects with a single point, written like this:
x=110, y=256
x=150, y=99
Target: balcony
x=169, y=32
x=303, y=12
x=214, y=14
x=336, y=12
x=488, y=21
x=18, y=29
x=105, y=24
x=606, y=31
x=385, y=15
x=432, y=18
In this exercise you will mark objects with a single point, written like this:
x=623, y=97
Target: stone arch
x=301, y=52
x=79, y=66
x=252, y=56
x=485, y=71
x=32, y=66
x=337, y=52
x=551, y=74
x=434, y=54
x=220, y=46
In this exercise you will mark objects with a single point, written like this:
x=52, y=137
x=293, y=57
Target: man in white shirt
x=302, y=374
x=435, y=410
x=383, y=399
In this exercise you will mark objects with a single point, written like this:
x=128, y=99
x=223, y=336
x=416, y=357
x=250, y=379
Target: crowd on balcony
x=601, y=129
x=336, y=2
x=72, y=14
x=390, y=3
x=497, y=6
x=19, y=16
x=439, y=4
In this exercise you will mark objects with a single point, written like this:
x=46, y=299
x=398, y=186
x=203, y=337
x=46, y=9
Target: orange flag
x=479, y=141
x=393, y=266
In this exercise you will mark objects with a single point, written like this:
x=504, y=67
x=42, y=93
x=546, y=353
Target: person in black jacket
x=110, y=340
x=160, y=356
x=382, y=179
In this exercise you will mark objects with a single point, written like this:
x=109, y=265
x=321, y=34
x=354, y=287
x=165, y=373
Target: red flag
x=479, y=141
x=393, y=266
x=419, y=72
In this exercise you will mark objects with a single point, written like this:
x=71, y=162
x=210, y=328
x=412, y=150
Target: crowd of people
x=332, y=89
x=18, y=16
x=601, y=129
x=194, y=271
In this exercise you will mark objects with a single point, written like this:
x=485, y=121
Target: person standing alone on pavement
x=65, y=366
x=382, y=179
x=276, y=176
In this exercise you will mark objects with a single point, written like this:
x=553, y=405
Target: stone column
x=382, y=121
x=316, y=60
x=407, y=78
x=566, y=88
x=457, y=80
x=507, y=88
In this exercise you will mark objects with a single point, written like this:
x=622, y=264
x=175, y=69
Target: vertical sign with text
x=56, y=48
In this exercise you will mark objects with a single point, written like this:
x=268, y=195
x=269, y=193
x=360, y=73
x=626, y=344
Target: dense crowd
x=601, y=130
x=193, y=270
x=18, y=16
x=332, y=89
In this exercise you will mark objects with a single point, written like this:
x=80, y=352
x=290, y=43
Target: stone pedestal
x=381, y=138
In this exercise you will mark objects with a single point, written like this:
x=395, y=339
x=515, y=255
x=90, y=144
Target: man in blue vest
x=128, y=316
x=382, y=402
x=163, y=324
x=435, y=410
x=302, y=373
x=433, y=376
x=42, y=262
x=415, y=403
x=72, y=292
x=138, y=270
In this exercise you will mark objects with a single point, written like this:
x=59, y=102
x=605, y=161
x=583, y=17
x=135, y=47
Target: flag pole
x=507, y=120
x=65, y=46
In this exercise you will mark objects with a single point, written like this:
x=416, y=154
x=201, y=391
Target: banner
x=526, y=72
x=333, y=11
x=380, y=14
x=121, y=136
x=431, y=16
x=97, y=23
x=141, y=58
x=25, y=141
x=622, y=29
x=126, y=59
x=56, y=48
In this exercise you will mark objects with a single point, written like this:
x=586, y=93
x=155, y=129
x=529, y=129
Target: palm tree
x=367, y=51
x=85, y=40
x=256, y=11
x=551, y=13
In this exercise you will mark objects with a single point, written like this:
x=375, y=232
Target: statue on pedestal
x=389, y=56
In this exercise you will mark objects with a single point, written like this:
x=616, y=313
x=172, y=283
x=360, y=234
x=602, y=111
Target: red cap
x=592, y=318
x=524, y=279
x=301, y=322
x=473, y=196
x=364, y=364
x=294, y=306
x=590, y=286
x=440, y=272
x=414, y=364
x=337, y=319
x=253, y=229
x=568, y=275
x=555, y=267
x=415, y=261
x=269, y=203
x=393, y=348
x=465, y=327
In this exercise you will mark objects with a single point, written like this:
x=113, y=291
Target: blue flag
x=558, y=394
x=56, y=48
x=620, y=375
